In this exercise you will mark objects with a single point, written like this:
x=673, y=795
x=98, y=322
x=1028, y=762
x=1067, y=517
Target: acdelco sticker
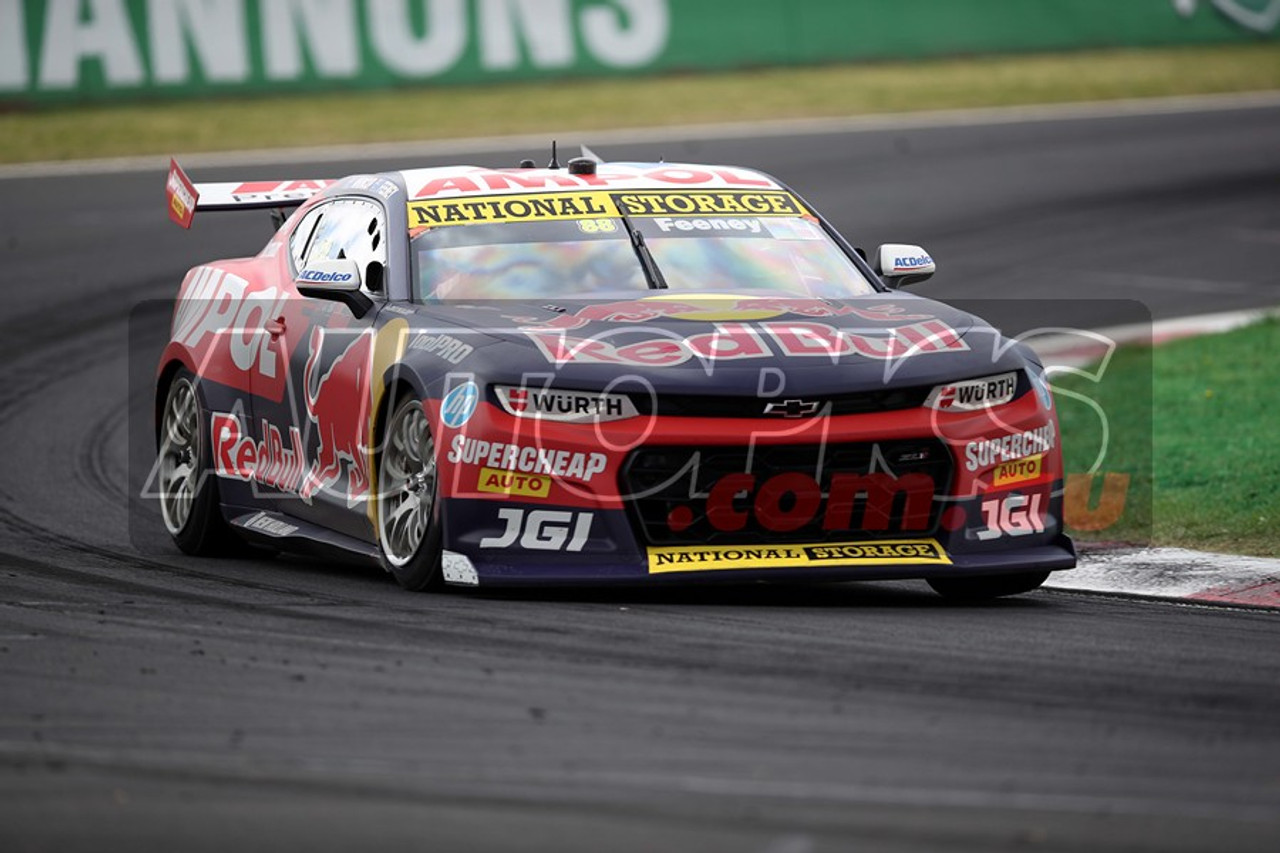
x=321, y=276
x=499, y=482
x=547, y=207
x=891, y=551
x=912, y=262
x=1006, y=448
x=526, y=460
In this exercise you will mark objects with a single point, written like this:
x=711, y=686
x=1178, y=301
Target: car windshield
x=584, y=256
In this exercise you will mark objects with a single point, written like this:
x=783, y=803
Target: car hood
x=716, y=344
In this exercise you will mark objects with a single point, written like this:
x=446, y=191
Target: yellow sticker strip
x=710, y=204
x=500, y=482
x=539, y=207
x=1019, y=470
x=594, y=205
x=885, y=551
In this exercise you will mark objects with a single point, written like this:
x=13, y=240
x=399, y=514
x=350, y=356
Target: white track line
x=1076, y=350
x=468, y=147
x=1175, y=573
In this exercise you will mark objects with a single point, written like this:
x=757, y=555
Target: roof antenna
x=555, y=163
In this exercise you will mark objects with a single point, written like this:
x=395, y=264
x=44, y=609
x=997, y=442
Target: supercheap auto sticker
x=551, y=207
x=889, y=551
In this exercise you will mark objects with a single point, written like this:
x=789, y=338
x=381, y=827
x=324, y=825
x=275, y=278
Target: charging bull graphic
x=1261, y=16
x=338, y=405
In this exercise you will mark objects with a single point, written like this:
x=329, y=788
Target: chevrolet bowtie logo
x=792, y=408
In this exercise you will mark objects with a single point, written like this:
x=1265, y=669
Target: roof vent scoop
x=582, y=166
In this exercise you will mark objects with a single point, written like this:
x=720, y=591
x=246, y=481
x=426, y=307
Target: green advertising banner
x=85, y=50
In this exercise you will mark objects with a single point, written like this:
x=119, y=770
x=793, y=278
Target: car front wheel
x=408, y=515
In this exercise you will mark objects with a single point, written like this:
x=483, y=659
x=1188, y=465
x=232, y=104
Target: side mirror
x=337, y=280
x=901, y=264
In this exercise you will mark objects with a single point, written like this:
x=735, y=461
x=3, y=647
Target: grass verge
x=1203, y=457
x=425, y=113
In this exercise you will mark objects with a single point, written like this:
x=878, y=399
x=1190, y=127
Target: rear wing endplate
x=184, y=198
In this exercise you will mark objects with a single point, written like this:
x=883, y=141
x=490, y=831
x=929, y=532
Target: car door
x=321, y=431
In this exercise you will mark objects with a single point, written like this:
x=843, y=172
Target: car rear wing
x=184, y=198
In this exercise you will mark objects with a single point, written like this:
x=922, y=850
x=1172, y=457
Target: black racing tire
x=189, y=503
x=987, y=587
x=407, y=509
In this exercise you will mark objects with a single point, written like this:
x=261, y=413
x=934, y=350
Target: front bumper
x=996, y=507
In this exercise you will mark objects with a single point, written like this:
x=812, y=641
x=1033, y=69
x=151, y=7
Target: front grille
x=785, y=493
x=709, y=406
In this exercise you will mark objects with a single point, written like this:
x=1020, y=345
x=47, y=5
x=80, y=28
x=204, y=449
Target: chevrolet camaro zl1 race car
x=609, y=372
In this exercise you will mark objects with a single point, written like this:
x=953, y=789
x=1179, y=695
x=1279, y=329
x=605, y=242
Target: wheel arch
x=398, y=382
x=396, y=389
x=421, y=567
x=164, y=378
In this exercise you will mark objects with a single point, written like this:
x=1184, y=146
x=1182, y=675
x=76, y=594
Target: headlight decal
x=1040, y=381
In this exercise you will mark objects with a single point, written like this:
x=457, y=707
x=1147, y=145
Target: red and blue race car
x=607, y=372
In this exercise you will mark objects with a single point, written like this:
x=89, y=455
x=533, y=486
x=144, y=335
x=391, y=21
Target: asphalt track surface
x=150, y=701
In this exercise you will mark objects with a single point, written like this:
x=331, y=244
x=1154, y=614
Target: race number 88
x=597, y=226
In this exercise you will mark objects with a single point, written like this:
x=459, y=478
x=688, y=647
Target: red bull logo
x=737, y=341
x=711, y=308
x=268, y=462
x=338, y=405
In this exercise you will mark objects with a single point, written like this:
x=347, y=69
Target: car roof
x=461, y=181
